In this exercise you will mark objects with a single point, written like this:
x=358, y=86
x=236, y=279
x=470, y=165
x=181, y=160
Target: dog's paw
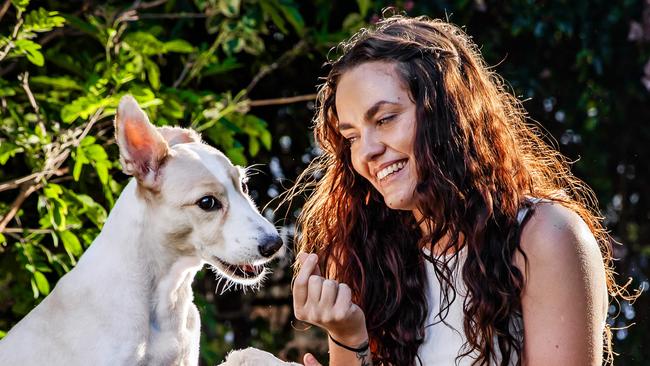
x=254, y=357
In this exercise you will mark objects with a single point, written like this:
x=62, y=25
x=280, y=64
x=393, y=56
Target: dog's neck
x=143, y=248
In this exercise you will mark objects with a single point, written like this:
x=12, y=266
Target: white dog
x=129, y=299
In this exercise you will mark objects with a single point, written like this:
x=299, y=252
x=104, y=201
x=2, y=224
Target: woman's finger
x=343, y=297
x=300, y=283
x=328, y=294
x=310, y=360
x=315, y=284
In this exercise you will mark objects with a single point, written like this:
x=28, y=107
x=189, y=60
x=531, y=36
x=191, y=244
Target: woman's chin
x=400, y=203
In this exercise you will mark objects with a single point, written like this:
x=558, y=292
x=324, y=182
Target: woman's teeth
x=391, y=169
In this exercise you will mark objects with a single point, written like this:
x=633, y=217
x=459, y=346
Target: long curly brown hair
x=478, y=162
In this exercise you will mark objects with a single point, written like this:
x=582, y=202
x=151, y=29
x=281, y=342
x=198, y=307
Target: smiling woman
x=377, y=119
x=447, y=230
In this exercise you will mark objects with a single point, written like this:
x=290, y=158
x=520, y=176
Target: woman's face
x=377, y=117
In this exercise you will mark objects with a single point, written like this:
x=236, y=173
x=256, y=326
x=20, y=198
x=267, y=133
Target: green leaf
x=172, y=108
x=229, y=8
x=2, y=239
x=78, y=23
x=93, y=210
x=34, y=288
x=102, y=170
x=41, y=283
x=52, y=190
x=294, y=17
x=7, y=92
x=144, y=43
x=59, y=211
x=71, y=243
x=42, y=20
x=20, y=4
x=7, y=151
x=83, y=107
x=95, y=152
x=179, y=45
x=60, y=82
x=87, y=141
x=55, y=239
x=236, y=155
x=265, y=137
x=253, y=146
x=364, y=6
x=31, y=50
x=228, y=64
x=80, y=160
x=269, y=9
x=153, y=74
x=353, y=22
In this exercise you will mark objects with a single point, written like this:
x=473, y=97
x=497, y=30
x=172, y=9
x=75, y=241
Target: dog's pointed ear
x=178, y=135
x=142, y=148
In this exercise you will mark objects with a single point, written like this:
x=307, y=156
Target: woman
x=446, y=230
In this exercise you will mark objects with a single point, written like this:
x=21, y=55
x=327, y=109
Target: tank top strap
x=527, y=208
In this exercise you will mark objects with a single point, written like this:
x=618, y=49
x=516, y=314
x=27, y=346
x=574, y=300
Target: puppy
x=129, y=299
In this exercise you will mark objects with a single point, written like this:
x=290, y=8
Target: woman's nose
x=371, y=147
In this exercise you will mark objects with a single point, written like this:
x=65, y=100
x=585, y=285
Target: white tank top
x=444, y=340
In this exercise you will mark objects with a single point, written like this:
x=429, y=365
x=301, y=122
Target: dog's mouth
x=246, y=274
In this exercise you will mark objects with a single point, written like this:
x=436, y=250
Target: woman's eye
x=209, y=203
x=383, y=120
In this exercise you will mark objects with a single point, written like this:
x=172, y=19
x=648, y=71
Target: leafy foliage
x=582, y=69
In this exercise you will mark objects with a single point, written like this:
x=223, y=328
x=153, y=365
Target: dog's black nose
x=269, y=245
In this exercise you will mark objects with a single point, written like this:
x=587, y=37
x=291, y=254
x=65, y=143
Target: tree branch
x=25, y=191
x=278, y=101
x=11, y=43
x=24, y=78
x=173, y=16
x=285, y=58
x=19, y=230
x=146, y=5
x=4, y=8
x=15, y=183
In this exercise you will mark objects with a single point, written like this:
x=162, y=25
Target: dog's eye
x=209, y=203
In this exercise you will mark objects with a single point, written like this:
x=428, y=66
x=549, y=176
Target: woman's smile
x=390, y=170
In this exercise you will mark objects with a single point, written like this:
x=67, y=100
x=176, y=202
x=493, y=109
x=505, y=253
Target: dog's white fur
x=254, y=357
x=128, y=301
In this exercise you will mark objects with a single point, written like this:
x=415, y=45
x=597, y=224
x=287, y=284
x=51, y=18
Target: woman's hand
x=327, y=304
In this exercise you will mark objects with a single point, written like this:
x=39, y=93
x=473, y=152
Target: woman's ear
x=142, y=148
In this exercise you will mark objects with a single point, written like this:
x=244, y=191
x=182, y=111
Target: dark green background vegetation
x=243, y=73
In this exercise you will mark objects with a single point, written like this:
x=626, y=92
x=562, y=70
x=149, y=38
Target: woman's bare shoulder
x=557, y=235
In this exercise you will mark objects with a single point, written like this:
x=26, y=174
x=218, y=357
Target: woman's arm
x=328, y=304
x=564, y=300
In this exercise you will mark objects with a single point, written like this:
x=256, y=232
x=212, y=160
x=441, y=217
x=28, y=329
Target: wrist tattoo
x=363, y=356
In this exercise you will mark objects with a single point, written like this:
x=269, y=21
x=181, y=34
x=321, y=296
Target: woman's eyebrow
x=375, y=108
x=368, y=115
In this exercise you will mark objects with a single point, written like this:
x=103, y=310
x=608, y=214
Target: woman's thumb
x=310, y=360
